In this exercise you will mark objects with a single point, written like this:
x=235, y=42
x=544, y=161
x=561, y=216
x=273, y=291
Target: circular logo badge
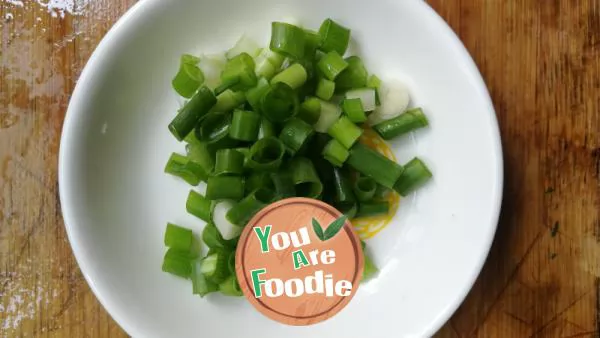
x=299, y=261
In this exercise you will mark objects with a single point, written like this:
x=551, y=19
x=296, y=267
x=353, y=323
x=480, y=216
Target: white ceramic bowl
x=116, y=199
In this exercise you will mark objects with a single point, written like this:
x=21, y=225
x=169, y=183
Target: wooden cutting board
x=541, y=62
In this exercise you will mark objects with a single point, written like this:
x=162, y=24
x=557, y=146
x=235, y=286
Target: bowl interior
x=116, y=199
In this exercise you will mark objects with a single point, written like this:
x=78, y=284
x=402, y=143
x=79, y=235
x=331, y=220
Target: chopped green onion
x=231, y=263
x=295, y=134
x=343, y=197
x=189, y=77
x=334, y=37
x=375, y=83
x=305, y=177
x=266, y=154
x=179, y=238
x=367, y=209
x=355, y=76
x=414, y=176
x=345, y=132
x=191, y=112
x=309, y=66
x=177, y=263
x=267, y=128
x=213, y=239
x=364, y=188
x=199, y=153
x=214, y=129
x=244, y=125
x=268, y=63
x=369, y=269
x=404, y=123
x=354, y=110
x=245, y=209
x=331, y=65
x=284, y=184
x=199, y=206
x=238, y=74
x=312, y=42
x=274, y=58
x=229, y=162
x=366, y=96
x=310, y=110
x=257, y=180
x=214, y=266
x=279, y=103
x=330, y=113
x=228, y=100
x=200, y=284
x=244, y=151
x=287, y=39
x=225, y=187
x=265, y=69
x=243, y=45
x=255, y=95
x=372, y=164
x=190, y=139
x=181, y=166
x=294, y=76
x=325, y=171
x=335, y=153
x=231, y=287
x=325, y=89
x=342, y=186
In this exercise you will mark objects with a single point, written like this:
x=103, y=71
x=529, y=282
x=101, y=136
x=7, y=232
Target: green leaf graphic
x=335, y=227
x=317, y=228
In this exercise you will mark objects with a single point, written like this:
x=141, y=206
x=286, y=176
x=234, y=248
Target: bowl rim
x=74, y=112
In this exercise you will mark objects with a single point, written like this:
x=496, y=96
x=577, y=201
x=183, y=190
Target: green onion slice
x=305, y=177
x=334, y=37
x=191, y=112
x=373, y=164
x=231, y=287
x=245, y=209
x=335, y=153
x=355, y=76
x=225, y=187
x=295, y=135
x=245, y=125
x=364, y=188
x=279, y=103
x=189, y=77
x=294, y=76
x=415, y=175
x=266, y=154
x=229, y=162
x=200, y=284
x=177, y=263
x=199, y=206
x=405, y=123
x=345, y=132
x=287, y=39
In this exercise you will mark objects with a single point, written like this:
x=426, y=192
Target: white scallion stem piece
x=366, y=96
x=227, y=229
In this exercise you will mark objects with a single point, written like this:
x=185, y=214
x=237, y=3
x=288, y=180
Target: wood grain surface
x=541, y=62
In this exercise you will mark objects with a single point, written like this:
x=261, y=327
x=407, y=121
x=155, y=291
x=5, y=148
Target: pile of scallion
x=263, y=124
